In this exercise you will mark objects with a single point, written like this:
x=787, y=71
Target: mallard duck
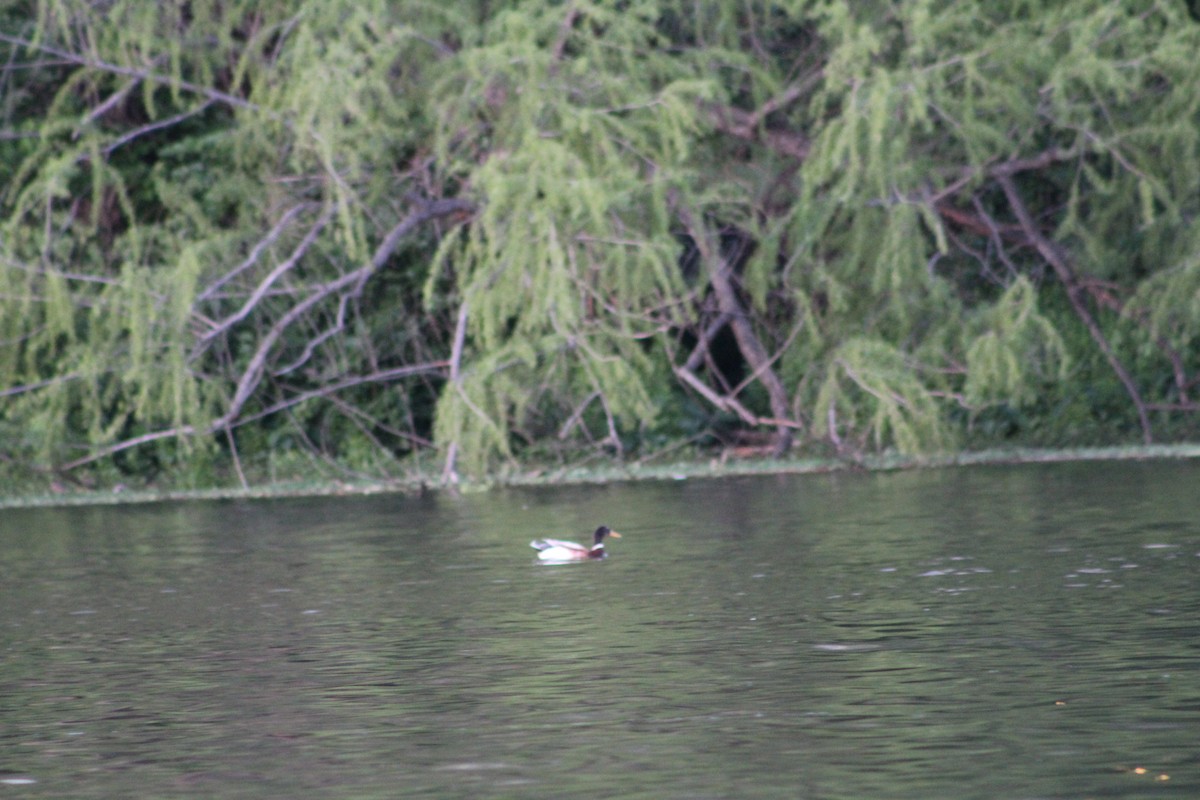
x=558, y=550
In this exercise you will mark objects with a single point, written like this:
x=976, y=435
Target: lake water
x=986, y=632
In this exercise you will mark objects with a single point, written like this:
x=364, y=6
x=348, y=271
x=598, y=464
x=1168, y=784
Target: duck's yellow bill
x=614, y=534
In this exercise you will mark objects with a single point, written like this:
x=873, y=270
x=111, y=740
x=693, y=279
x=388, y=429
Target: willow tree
x=968, y=160
x=362, y=230
x=928, y=203
x=977, y=154
x=213, y=212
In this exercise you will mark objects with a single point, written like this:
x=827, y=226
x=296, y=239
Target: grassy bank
x=678, y=470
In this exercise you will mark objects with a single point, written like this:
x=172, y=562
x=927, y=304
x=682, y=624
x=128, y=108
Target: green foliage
x=1017, y=352
x=872, y=390
x=571, y=256
x=1170, y=302
x=221, y=244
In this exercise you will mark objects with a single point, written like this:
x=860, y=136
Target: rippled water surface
x=991, y=632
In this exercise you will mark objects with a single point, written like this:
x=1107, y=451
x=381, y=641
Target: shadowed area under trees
x=247, y=240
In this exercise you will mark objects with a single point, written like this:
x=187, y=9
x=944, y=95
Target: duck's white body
x=556, y=550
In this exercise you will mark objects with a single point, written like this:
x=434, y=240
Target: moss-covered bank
x=680, y=470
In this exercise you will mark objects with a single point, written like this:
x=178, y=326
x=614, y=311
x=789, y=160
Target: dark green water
x=994, y=632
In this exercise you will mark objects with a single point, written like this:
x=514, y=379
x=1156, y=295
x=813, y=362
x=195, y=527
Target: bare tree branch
x=252, y=375
x=1050, y=252
x=700, y=351
x=257, y=295
x=323, y=392
x=722, y=402
x=237, y=459
x=113, y=99
x=133, y=72
x=456, y=350
x=719, y=271
x=255, y=252
x=749, y=125
x=745, y=125
x=32, y=387
x=564, y=32
x=145, y=438
x=310, y=347
x=352, y=280
x=154, y=126
x=460, y=337
x=327, y=391
x=577, y=415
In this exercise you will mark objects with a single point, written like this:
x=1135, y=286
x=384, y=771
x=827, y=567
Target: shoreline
x=574, y=476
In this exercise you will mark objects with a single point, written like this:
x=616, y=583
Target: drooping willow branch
x=1003, y=238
